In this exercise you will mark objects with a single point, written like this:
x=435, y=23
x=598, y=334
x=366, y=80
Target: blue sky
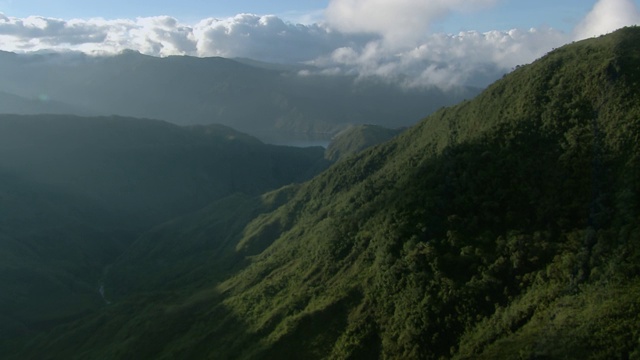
x=441, y=42
x=183, y=10
x=505, y=14
x=559, y=14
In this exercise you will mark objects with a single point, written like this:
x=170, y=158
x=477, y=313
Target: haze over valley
x=277, y=105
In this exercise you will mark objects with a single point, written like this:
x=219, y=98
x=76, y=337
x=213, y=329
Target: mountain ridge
x=491, y=229
x=187, y=90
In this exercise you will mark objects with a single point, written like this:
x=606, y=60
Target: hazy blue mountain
x=274, y=103
x=276, y=66
x=14, y=104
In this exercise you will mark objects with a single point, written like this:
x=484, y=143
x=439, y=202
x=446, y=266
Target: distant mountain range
x=507, y=226
x=273, y=102
x=14, y=104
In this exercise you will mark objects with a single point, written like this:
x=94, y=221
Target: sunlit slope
x=358, y=138
x=505, y=226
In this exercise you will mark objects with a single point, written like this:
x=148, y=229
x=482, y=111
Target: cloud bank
x=359, y=37
x=268, y=38
x=397, y=21
x=445, y=60
x=607, y=16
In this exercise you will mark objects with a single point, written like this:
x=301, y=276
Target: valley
x=506, y=222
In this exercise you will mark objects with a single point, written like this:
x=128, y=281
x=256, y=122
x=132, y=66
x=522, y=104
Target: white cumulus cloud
x=51, y=31
x=446, y=60
x=607, y=16
x=267, y=38
x=398, y=21
x=158, y=36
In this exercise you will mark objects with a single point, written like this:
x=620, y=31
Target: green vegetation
x=504, y=227
x=356, y=138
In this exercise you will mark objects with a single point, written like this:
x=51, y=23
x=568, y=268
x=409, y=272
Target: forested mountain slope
x=357, y=138
x=507, y=226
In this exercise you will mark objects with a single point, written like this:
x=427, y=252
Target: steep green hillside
x=357, y=138
x=504, y=227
